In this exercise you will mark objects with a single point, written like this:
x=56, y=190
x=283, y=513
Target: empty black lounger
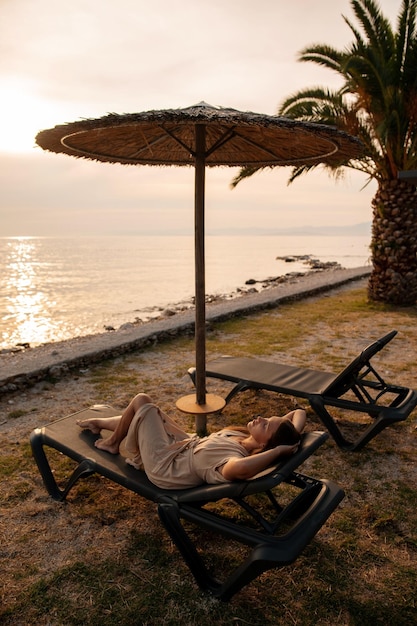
x=275, y=539
x=359, y=387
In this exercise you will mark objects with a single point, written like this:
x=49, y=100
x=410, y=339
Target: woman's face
x=263, y=428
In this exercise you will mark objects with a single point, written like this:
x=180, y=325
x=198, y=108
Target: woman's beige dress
x=173, y=459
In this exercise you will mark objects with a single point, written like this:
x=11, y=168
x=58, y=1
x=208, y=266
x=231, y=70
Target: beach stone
x=57, y=371
x=126, y=326
x=41, y=386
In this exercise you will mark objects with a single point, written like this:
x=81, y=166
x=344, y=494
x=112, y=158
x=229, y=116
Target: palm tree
x=377, y=102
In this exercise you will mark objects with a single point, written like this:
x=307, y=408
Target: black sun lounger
x=275, y=539
x=359, y=387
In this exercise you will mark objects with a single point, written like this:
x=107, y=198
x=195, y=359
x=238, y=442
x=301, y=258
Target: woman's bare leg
x=119, y=424
x=97, y=424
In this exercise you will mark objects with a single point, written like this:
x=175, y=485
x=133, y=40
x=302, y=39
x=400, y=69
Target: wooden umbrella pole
x=199, y=246
x=200, y=404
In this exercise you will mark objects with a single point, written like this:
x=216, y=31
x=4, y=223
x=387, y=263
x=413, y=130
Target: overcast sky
x=60, y=62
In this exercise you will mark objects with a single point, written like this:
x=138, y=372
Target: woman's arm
x=298, y=417
x=242, y=468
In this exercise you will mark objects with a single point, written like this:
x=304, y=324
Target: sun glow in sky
x=60, y=62
x=23, y=113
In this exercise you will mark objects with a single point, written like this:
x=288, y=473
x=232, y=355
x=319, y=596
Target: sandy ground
x=40, y=536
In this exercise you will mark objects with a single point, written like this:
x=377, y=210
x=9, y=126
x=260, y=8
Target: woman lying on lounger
x=173, y=459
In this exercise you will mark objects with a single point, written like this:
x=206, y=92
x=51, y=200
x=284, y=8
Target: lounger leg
x=317, y=405
x=373, y=429
x=258, y=561
x=170, y=518
x=243, y=385
x=85, y=468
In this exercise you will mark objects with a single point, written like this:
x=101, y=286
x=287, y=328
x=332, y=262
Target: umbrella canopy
x=200, y=136
x=232, y=138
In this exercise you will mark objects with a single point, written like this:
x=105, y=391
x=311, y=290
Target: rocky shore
x=29, y=366
x=252, y=285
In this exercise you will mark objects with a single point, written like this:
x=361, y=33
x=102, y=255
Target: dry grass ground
x=103, y=558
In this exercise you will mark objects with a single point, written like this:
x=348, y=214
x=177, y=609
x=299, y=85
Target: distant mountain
x=352, y=230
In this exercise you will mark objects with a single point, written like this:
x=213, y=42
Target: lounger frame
x=359, y=388
x=274, y=540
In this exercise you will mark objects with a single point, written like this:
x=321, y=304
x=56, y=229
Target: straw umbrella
x=200, y=136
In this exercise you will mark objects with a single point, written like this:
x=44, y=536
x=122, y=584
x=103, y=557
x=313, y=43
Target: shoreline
x=25, y=368
x=155, y=313
x=173, y=308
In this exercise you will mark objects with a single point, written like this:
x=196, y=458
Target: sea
x=54, y=289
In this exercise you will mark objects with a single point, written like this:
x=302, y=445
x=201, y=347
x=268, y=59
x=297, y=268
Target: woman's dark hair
x=286, y=434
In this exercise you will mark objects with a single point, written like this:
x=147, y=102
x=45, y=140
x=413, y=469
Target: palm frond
x=244, y=172
x=323, y=55
x=377, y=99
x=377, y=28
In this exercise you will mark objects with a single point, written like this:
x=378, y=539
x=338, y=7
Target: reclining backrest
x=345, y=380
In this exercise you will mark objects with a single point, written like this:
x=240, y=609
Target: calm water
x=55, y=289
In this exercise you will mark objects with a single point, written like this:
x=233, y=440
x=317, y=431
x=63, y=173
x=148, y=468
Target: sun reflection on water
x=27, y=304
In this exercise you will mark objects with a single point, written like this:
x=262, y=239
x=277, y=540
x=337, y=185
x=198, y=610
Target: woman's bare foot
x=97, y=424
x=107, y=445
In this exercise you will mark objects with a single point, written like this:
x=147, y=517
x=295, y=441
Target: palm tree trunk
x=394, y=244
